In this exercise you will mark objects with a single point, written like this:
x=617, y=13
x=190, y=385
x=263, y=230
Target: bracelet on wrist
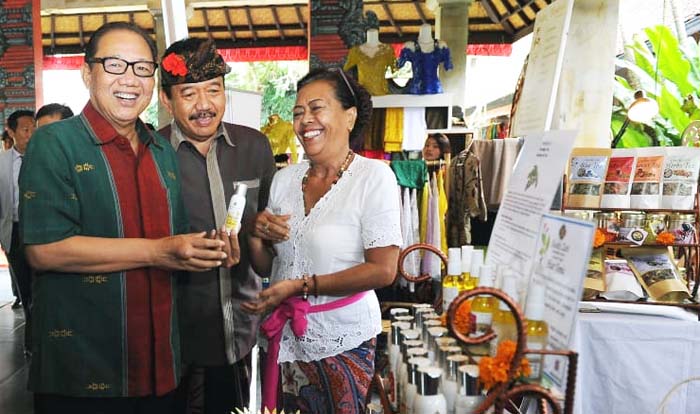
x=313, y=276
x=305, y=288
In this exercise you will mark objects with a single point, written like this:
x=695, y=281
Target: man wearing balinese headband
x=214, y=158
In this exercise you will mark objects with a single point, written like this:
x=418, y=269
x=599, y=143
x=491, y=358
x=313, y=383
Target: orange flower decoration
x=665, y=238
x=463, y=318
x=175, y=64
x=494, y=370
x=599, y=237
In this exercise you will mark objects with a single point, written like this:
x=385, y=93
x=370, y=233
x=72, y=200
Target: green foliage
x=668, y=72
x=276, y=81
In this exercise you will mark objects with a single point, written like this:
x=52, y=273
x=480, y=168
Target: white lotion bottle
x=235, y=209
x=429, y=399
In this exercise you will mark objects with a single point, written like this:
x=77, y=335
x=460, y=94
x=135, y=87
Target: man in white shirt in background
x=20, y=126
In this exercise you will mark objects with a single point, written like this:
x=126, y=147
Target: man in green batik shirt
x=103, y=222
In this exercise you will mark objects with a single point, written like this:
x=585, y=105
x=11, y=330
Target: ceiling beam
x=391, y=18
x=492, y=12
x=229, y=25
x=276, y=19
x=80, y=32
x=420, y=12
x=53, y=31
x=300, y=17
x=205, y=15
x=519, y=10
x=249, y=17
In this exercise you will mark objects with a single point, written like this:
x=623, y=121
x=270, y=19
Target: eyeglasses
x=346, y=81
x=117, y=66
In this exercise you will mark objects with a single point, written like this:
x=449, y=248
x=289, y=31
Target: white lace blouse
x=359, y=212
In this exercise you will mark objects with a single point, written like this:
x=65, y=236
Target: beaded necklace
x=342, y=169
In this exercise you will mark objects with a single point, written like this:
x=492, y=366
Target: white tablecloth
x=628, y=363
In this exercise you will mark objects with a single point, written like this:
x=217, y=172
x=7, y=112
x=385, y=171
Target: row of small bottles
x=428, y=371
x=466, y=269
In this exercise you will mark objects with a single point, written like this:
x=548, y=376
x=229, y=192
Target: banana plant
x=669, y=72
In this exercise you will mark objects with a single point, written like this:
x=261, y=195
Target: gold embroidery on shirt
x=28, y=195
x=60, y=333
x=95, y=279
x=98, y=386
x=172, y=175
x=84, y=167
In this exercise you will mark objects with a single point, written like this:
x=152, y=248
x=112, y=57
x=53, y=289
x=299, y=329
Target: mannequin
x=372, y=58
x=371, y=46
x=425, y=38
x=425, y=55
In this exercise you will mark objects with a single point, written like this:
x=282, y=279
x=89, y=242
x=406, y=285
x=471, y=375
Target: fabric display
x=409, y=230
x=281, y=135
x=415, y=129
x=497, y=158
x=410, y=173
x=371, y=69
x=425, y=66
x=432, y=222
x=374, y=134
x=393, y=129
x=466, y=197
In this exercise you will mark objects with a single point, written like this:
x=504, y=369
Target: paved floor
x=14, y=397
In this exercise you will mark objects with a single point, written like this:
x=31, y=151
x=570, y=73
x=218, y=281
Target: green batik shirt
x=67, y=188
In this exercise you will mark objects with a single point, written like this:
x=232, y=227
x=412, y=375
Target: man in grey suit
x=20, y=126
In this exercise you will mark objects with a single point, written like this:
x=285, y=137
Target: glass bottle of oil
x=537, y=329
x=503, y=323
x=450, y=283
x=483, y=307
x=466, y=266
x=477, y=261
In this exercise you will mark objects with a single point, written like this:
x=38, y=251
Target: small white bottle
x=434, y=332
x=394, y=357
x=414, y=364
x=537, y=329
x=405, y=386
x=449, y=380
x=450, y=283
x=235, y=209
x=429, y=399
x=470, y=396
x=503, y=323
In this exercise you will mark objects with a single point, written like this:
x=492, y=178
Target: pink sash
x=294, y=309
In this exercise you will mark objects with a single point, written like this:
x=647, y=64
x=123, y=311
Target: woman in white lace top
x=335, y=238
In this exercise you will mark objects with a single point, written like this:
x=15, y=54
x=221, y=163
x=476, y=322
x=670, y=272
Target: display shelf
x=458, y=130
x=406, y=101
x=646, y=210
x=687, y=253
x=630, y=244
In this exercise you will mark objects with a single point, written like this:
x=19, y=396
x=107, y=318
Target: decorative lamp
x=641, y=110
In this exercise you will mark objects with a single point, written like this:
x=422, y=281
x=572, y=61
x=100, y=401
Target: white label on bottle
x=448, y=295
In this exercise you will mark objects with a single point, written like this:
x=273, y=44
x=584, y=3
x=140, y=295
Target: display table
x=628, y=363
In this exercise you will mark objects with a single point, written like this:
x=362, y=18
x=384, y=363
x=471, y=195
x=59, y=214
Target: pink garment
x=294, y=310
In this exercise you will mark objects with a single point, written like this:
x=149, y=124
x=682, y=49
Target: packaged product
x=621, y=282
x=587, y=167
x=656, y=271
x=646, y=185
x=680, y=178
x=594, y=282
x=618, y=179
